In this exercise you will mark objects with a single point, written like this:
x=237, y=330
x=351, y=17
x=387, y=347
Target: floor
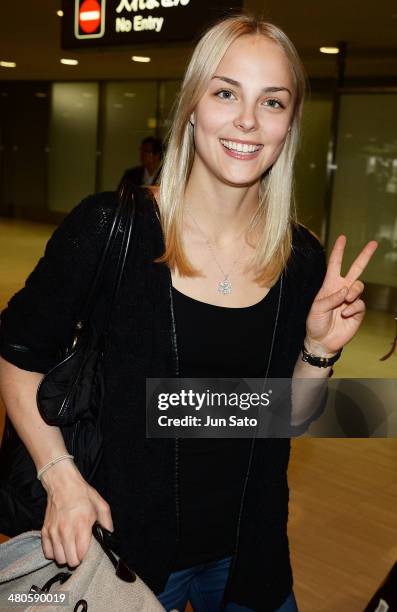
x=343, y=509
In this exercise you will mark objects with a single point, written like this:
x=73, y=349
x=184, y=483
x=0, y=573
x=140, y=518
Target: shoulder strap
x=129, y=208
x=124, y=216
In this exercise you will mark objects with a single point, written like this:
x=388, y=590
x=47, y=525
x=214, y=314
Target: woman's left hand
x=337, y=311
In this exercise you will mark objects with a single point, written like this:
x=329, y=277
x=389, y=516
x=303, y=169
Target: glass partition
x=73, y=142
x=364, y=205
x=311, y=163
x=167, y=98
x=129, y=115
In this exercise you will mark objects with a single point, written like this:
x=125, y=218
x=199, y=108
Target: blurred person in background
x=148, y=172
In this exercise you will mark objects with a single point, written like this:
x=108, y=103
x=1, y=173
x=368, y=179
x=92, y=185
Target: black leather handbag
x=70, y=395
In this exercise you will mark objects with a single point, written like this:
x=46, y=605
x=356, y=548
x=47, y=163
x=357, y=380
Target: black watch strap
x=319, y=362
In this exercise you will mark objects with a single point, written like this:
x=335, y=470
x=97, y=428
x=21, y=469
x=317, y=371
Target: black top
x=222, y=341
x=216, y=341
x=139, y=476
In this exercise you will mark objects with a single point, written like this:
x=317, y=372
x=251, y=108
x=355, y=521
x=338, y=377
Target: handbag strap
x=124, y=213
x=129, y=205
x=124, y=209
x=103, y=536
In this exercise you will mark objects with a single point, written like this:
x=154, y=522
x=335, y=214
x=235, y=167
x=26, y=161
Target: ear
x=192, y=119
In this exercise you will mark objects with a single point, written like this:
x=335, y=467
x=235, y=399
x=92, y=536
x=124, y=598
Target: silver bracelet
x=48, y=465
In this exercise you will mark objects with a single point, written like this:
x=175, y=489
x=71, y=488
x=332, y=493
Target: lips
x=241, y=147
x=244, y=151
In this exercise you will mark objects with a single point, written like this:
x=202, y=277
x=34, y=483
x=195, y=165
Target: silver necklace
x=225, y=285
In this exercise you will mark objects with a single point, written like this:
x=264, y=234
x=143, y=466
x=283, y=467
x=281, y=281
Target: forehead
x=256, y=60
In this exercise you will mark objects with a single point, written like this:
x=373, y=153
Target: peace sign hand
x=337, y=311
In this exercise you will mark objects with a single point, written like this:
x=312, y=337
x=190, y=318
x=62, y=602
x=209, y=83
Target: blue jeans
x=203, y=585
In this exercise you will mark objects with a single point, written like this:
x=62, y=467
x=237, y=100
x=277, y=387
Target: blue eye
x=274, y=103
x=225, y=94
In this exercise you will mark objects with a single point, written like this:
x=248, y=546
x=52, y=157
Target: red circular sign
x=90, y=16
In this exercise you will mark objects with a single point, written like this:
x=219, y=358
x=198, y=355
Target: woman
x=220, y=282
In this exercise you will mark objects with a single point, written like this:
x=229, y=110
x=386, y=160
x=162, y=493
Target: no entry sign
x=93, y=23
x=90, y=16
x=89, y=19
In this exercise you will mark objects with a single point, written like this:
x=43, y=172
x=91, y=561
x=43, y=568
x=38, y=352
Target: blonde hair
x=276, y=211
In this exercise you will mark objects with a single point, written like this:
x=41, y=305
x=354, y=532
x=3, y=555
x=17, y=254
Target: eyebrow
x=273, y=89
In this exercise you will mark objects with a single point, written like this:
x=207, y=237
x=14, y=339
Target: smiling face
x=242, y=120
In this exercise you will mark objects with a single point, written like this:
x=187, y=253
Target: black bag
x=69, y=396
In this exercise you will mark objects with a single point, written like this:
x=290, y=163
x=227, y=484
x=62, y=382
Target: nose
x=246, y=119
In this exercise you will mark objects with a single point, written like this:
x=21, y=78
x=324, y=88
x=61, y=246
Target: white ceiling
x=30, y=36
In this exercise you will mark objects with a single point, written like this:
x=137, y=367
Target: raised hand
x=338, y=311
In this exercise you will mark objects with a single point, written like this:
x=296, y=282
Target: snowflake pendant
x=225, y=286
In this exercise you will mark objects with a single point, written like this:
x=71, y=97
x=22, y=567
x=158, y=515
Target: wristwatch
x=319, y=362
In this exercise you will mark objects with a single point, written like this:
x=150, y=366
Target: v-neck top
x=216, y=341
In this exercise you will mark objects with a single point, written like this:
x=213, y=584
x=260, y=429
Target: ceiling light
x=60, y=13
x=329, y=50
x=69, y=62
x=140, y=58
x=4, y=64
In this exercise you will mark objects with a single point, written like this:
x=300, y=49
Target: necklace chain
x=224, y=286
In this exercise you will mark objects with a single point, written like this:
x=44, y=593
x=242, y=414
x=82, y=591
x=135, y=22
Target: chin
x=243, y=176
x=241, y=179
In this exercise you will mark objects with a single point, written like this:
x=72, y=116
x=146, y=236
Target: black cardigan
x=139, y=476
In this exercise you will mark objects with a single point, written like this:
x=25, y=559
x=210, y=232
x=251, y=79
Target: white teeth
x=240, y=147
